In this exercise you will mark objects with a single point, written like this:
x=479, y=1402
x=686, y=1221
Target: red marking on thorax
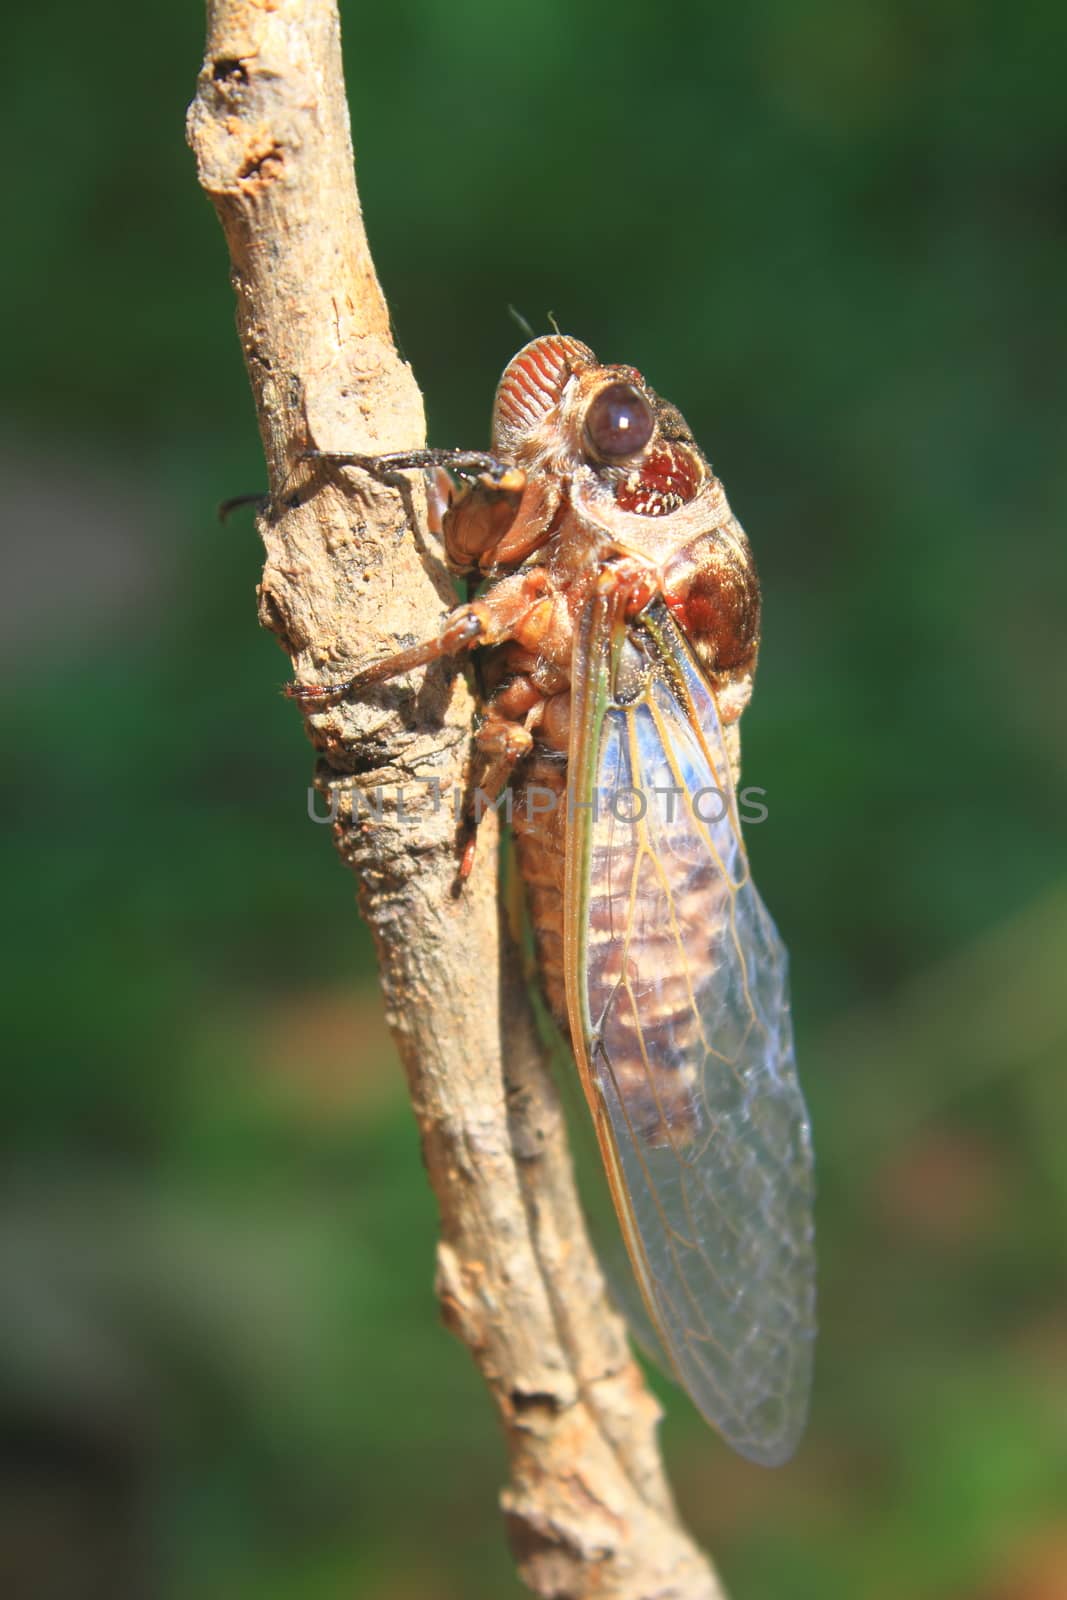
x=669, y=478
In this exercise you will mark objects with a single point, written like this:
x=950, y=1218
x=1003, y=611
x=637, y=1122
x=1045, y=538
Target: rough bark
x=348, y=574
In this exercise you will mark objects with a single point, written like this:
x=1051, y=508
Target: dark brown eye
x=619, y=421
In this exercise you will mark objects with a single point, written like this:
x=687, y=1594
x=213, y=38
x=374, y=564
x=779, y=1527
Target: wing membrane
x=678, y=1002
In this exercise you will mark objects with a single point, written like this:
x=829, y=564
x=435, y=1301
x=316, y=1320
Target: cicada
x=617, y=613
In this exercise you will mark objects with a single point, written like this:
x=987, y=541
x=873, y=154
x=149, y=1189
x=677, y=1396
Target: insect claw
x=466, y=863
x=225, y=508
x=315, y=691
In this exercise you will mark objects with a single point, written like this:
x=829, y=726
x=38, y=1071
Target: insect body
x=620, y=623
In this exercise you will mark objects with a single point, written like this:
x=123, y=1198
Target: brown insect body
x=654, y=523
x=619, y=624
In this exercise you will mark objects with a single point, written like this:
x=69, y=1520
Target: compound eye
x=619, y=422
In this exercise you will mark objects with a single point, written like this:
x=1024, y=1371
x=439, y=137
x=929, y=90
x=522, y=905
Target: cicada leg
x=465, y=628
x=503, y=743
x=492, y=620
x=520, y=606
x=474, y=497
x=517, y=708
x=465, y=463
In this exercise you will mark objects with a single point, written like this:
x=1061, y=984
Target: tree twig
x=587, y=1505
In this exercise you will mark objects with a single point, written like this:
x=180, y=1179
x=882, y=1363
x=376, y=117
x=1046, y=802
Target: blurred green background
x=836, y=236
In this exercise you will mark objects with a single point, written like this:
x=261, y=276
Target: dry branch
x=587, y=1505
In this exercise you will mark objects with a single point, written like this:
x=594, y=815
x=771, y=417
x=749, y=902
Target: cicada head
x=560, y=410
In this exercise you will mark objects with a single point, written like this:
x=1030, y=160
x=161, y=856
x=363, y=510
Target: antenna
x=518, y=317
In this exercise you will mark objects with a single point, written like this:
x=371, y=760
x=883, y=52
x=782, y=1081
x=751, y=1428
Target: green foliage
x=834, y=235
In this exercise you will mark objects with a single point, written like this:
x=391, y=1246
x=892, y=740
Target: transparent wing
x=679, y=1011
